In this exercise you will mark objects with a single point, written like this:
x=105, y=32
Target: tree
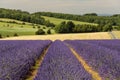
x=15, y=34
x=90, y=14
x=49, y=24
x=49, y=31
x=38, y=27
x=7, y=36
x=61, y=27
x=64, y=27
x=33, y=26
x=70, y=26
x=107, y=27
x=0, y=36
x=40, y=32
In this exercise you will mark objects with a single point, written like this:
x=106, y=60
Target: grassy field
x=9, y=29
x=58, y=21
x=99, y=35
x=117, y=34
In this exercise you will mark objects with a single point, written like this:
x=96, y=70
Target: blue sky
x=65, y=6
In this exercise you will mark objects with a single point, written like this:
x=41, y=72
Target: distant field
x=58, y=21
x=117, y=34
x=12, y=28
x=99, y=35
x=17, y=21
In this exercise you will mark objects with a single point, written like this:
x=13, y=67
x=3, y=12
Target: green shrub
x=15, y=34
x=49, y=31
x=40, y=32
x=7, y=36
x=0, y=36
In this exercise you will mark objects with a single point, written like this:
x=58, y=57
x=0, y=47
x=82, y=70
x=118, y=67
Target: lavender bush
x=60, y=64
x=16, y=57
x=101, y=57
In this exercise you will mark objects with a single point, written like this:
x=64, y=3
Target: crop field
x=7, y=28
x=58, y=21
x=117, y=34
x=83, y=36
x=60, y=60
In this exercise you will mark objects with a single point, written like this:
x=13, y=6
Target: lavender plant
x=101, y=58
x=60, y=64
x=17, y=58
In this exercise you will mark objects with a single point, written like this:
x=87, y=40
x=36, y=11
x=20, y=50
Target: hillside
x=58, y=21
x=83, y=36
x=8, y=27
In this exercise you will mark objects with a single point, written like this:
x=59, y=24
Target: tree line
x=70, y=27
x=113, y=20
x=24, y=16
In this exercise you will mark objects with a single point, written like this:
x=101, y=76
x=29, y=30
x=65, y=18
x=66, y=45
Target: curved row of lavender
x=16, y=57
x=104, y=60
x=60, y=64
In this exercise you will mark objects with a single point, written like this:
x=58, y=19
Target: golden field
x=117, y=34
x=82, y=36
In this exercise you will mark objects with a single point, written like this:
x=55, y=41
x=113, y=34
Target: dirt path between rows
x=34, y=69
x=95, y=75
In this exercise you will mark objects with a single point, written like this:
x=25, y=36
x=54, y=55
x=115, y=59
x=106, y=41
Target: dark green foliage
x=116, y=27
x=64, y=27
x=49, y=31
x=90, y=14
x=21, y=15
x=7, y=36
x=70, y=26
x=40, y=32
x=48, y=24
x=107, y=27
x=23, y=23
x=33, y=26
x=44, y=27
x=15, y=34
x=0, y=36
x=85, y=28
x=61, y=28
x=91, y=17
x=38, y=27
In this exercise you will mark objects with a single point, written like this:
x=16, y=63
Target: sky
x=64, y=6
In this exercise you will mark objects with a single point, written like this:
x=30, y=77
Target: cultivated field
x=60, y=60
x=58, y=21
x=117, y=34
x=99, y=35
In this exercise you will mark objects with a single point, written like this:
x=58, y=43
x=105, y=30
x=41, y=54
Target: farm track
x=112, y=35
x=89, y=69
x=34, y=69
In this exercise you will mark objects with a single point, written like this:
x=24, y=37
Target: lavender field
x=94, y=59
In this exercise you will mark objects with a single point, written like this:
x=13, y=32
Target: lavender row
x=111, y=44
x=101, y=59
x=60, y=64
x=16, y=62
x=8, y=45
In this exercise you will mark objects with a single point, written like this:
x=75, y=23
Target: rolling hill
x=8, y=27
x=58, y=21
